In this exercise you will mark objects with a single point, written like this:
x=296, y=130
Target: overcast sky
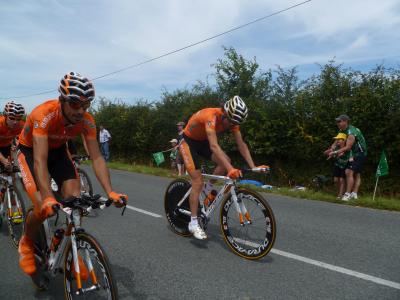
x=42, y=40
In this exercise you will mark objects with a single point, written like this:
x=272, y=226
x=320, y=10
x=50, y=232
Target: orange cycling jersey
x=208, y=119
x=7, y=134
x=47, y=120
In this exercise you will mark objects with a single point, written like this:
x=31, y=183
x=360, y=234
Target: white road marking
x=317, y=263
x=327, y=266
x=144, y=211
x=321, y=264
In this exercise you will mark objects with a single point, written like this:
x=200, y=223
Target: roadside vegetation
x=365, y=200
x=290, y=123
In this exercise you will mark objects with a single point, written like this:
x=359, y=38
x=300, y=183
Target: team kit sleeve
x=40, y=124
x=210, y=122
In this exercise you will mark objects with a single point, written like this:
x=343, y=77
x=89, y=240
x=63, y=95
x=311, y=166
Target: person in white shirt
x=104, y=139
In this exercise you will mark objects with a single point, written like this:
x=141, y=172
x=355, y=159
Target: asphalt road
x=322, y=251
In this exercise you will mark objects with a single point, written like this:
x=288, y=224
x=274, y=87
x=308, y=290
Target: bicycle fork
x=244, y=216
x=86, y=261
x=10, y=202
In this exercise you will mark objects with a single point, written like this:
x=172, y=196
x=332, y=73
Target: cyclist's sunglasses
x=78, y=105
x=13, y=118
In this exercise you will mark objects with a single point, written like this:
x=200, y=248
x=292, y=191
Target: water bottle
x=55, y=241
x=210, y=198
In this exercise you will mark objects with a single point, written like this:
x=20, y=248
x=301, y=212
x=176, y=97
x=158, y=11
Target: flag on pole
x=383, y=167
x=158, y=158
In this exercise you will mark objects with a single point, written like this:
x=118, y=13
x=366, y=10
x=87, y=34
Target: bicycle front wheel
x=252, y=234
x=96, y=276
x=15, y=216
x=86, y=184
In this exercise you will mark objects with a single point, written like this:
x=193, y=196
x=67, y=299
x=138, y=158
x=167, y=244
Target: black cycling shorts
x=192, y=151
x=59, y=163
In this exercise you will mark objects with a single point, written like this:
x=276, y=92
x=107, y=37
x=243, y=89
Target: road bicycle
x=12, y=207
x=86, y=183
x=247, y=221
x=86, y=268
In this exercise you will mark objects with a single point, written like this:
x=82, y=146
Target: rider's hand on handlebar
x=48, y=206
x=234, y=173
x=119, y=199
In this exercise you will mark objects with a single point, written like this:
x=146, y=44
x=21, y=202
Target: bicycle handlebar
x=88, y=202
x=265, y=169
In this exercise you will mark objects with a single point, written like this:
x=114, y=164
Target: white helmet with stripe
x=236, y=110
x=13, y=109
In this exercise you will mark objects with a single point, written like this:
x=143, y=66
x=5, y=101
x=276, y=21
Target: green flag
x=158, y=158
x=383, y=167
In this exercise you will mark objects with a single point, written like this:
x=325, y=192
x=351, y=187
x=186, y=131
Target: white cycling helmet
x=12, y=109
x=236, y=110
x=76, y=88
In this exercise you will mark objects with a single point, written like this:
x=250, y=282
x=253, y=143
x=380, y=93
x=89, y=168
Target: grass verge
x=363, y=201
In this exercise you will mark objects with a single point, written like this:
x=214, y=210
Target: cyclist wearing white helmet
x=42, y=151
x=11, y=124
x=200, y=140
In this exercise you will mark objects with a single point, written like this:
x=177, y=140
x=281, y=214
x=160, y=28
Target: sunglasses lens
x=77, y=105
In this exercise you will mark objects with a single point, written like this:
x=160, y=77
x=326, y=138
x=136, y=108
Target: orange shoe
x=47, y=207
x=26, y=252
x=82, y=268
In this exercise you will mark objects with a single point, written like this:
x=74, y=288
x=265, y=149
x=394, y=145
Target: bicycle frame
x=227, y=189
x=55, y=257
x=7, y=181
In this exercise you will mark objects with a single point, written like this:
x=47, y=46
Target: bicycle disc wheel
x=100, y=283
x=86, y=184
x=16, y=222
x=174, y=193
x=253, y=239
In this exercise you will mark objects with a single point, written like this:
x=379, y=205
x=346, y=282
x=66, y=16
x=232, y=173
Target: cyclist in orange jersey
x=42, y=151
x=11, y=124
x=200, y=139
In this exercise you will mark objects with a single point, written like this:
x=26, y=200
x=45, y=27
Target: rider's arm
x=84, y=145
x=217, y=151
x=243, y=149
x=40, y=154
x=3, y=160
x=99, y=164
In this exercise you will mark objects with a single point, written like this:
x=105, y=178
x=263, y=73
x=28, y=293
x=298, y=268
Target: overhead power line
x=177, y=50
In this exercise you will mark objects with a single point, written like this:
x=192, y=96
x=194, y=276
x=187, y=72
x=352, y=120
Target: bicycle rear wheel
x=98, y=284
x=174, y=193
x=86, y=184
x=252, y=239
x=15, y=216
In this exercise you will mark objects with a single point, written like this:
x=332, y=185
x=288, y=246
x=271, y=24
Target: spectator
x=179, y=161
x=181, y=126
x=339, y=167
x=356, y=144
x=104, y=139
x=173, y=155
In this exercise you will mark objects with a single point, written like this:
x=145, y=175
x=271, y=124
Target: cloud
x=41, y=40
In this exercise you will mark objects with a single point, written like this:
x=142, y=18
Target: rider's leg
x=197, y=185
x=33, y=220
